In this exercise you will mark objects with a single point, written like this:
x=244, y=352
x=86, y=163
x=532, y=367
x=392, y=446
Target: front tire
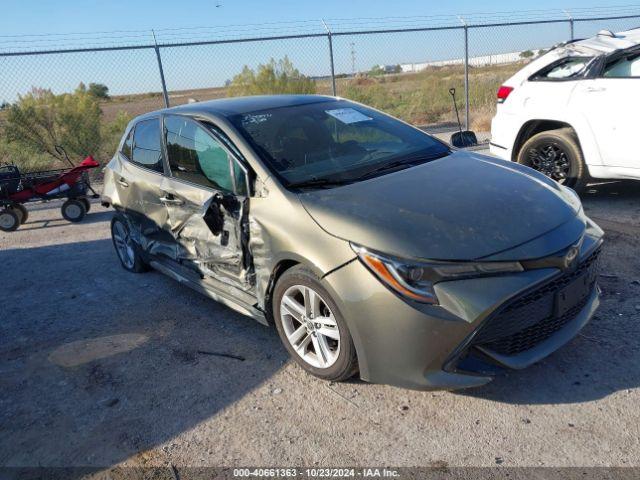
x=126, y=248
x=556, y=154
x=311, y=327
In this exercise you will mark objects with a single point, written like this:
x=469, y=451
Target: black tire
x=87, y=204
x=135, y=263
x=346, y=364
x=9, y=220
x=557, y=154
x=73, y=210
x=23, y=212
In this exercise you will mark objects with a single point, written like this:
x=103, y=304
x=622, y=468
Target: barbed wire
x=12, y=43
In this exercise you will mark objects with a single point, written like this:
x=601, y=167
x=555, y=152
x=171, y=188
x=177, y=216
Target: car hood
x=461, y=207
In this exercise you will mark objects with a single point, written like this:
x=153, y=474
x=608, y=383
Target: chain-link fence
x=81, y=95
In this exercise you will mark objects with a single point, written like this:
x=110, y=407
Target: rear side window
x=572, y=67
x=625, y=67
x=127, y=146
x=195, y=156
x=146, y=145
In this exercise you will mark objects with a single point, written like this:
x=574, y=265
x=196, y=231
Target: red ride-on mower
x=17, y=188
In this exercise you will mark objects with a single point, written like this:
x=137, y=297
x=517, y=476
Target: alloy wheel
x=310, y=326
x=551, y=160
x=124, y=244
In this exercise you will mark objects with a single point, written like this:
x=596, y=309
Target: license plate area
x=572, y=294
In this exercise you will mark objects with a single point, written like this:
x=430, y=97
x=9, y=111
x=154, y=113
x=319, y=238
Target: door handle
x=122, y=182
x=170, y=199
x=595, y=89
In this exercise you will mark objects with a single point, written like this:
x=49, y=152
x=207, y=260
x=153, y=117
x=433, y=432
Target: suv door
x=206, y=202
x=139, y=182
x=610, y=104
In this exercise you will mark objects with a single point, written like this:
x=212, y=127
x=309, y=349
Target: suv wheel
x=125, y=246
x=311, y=327
x=556, y=154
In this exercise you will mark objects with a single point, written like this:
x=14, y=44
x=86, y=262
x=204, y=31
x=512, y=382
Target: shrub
x=112, y=133
x=40, y=120
x=273, y=77
x=98, y=90
x=526, y=54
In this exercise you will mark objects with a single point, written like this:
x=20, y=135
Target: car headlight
x=415, y=280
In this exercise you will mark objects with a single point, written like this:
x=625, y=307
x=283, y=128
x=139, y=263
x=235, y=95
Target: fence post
x=333, y=73
x=165, y=95
x=571, y=32
x=466, y=72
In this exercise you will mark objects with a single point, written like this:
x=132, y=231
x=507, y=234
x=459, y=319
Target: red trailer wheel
x=23, y=212
x=9, y=220
x=73, y=210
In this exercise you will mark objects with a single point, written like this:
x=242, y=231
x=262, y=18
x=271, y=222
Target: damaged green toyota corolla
x=373, y=247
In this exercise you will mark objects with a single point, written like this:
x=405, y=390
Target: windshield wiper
x=319, y=182
x=407, y=161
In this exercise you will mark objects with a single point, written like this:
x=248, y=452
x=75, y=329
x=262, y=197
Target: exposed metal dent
x=207, y=289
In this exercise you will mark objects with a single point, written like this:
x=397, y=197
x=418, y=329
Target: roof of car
x=605, y=42
x=239, y=105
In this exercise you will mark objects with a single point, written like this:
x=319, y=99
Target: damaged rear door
x=206, y=201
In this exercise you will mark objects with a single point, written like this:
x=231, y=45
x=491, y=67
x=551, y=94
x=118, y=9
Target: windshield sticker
x=347, y=115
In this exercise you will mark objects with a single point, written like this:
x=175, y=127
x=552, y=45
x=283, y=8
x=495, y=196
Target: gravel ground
x=100, y=367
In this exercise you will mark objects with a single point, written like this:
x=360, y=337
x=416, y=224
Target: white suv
x=574, y=113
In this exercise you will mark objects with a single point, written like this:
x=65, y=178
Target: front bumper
x=423, y=347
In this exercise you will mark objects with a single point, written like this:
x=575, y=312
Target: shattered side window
x=571, y=67
x=195, y=156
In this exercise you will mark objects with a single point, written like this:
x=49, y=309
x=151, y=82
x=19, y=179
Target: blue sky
x=75, y=23
x=62, y=16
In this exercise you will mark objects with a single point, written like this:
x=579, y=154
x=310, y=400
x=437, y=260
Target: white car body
x=601, y=105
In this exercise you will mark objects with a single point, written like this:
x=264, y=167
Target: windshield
x=330, y=142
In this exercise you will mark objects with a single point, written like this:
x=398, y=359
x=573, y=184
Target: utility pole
x=353, y=59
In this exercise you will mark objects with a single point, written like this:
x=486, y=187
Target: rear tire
x=323, y=344
x=556, y=154
x=24, y=213
x=73, y=210
x=126, y=248
x=9, y=220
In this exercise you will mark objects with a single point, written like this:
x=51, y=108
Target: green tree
x=376, y=70
x=526, y=54
x=40, y=120
x=274, y=77
x=99, y=90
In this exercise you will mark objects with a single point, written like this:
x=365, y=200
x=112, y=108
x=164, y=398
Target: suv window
x=127, y=146
x=195, y=156
x=146, y=145
x=571, y=67
x=625, y=67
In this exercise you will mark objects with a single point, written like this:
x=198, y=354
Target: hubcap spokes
x=123, y=244
x=550, y=160
x=310, y=326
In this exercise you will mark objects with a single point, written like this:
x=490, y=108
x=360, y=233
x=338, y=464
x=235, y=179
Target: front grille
x=530, y=319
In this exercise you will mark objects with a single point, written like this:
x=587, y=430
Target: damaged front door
x=206, y=201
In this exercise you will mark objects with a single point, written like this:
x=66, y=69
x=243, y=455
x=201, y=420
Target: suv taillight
x=503, y=93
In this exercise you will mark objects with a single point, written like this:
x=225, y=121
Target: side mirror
x=464, y=139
